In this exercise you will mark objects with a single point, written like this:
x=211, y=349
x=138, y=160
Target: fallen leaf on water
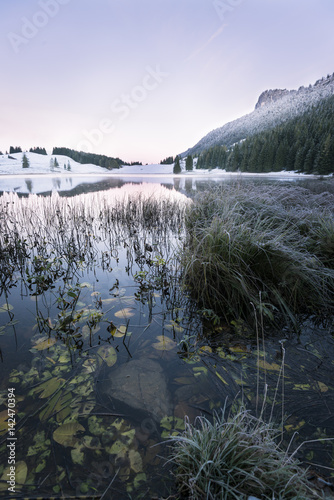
x=66, y=434
x=164, y=344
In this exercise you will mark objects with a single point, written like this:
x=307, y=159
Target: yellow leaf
x=291, y=427
x=66, y=434
x=221, y=378
x=120, y=331
x=127, y=312
x=44, y=344
x=239, y=348
x=164, y=344
x=136, y=463
x=268, y=366
x=301, y=387
x=323, y=387
x=184, y=380
x=205, y=348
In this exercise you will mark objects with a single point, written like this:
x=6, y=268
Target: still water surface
x=106, y=353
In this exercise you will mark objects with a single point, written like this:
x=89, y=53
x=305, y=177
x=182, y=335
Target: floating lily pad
x=127, y=312
x=48, y=388
x=44, y=344
x=164, y=344
x=108, y=354
x=66, y=434
x=21, y=471
x=173, y=325
x=5, y=308
x=78, y=455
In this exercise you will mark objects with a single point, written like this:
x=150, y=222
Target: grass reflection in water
x=105, y=348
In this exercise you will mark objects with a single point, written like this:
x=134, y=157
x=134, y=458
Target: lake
x=103, y=352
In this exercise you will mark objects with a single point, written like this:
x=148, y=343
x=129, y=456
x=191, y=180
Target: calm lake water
x=105, y=353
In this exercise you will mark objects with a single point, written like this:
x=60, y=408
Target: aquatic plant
x=233, y=457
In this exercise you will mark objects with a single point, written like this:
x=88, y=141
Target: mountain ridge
x=273, y=108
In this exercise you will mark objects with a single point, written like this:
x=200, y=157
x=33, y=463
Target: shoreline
x=206, y=173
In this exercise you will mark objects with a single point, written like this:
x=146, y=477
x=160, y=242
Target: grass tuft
x=271, y=249
x=234, y=457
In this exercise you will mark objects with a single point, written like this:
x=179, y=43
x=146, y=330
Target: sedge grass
x=233, y=457
x=248, y=246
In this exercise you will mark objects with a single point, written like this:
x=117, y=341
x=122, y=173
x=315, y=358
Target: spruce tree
x=189, y=163
x=25, y=161
x=177, y=166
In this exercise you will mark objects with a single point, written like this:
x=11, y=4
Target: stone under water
x=142, y=385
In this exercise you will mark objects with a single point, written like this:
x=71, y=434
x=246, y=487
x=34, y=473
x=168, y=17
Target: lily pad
x=108, y=354
x=5, y=308
x=44, y=344
x=127, y=312
x=66, y=434
x=164, y=344
x=21, y=471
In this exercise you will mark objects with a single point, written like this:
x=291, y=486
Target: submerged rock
x=142, y=385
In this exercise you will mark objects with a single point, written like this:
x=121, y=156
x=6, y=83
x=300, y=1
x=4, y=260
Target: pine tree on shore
x=177, y=166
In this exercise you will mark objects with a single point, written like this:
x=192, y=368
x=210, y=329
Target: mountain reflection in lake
x=106, y=352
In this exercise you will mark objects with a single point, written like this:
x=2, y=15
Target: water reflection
x=72, y=185
x=107, y=352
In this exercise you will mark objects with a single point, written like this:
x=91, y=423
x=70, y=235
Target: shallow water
x=96, y=300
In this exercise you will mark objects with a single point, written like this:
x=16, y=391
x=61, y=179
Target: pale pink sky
x=146, y=79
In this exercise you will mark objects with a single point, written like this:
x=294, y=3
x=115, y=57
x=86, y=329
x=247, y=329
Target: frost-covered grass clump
x=266, y=250
x=234, y=457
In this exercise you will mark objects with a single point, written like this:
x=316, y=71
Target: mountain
x=273, y=108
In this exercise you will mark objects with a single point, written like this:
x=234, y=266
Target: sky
x=145, y=79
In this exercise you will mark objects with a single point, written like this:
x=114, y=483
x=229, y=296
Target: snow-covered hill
x=43, y=164
x=268, y=113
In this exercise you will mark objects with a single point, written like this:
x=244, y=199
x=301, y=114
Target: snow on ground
x=41, y=164
x=42, y=177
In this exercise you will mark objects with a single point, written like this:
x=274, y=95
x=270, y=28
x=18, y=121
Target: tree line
x=84, y=158
x=304, y=144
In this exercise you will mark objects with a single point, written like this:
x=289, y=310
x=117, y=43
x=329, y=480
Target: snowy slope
x=40, y=164
x=291, y=104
